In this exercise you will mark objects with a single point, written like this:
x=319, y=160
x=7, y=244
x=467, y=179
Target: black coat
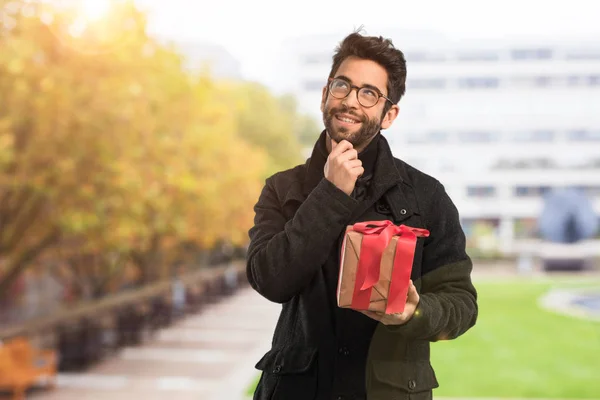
x=323, y=352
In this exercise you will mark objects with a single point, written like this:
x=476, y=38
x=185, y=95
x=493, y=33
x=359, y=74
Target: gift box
x=375, y=266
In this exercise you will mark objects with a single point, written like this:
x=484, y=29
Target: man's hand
x=402, y=318
x=343, y=166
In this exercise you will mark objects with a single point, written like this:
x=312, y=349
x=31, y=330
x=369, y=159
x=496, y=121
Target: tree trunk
x=147, y=261
x=16, y=267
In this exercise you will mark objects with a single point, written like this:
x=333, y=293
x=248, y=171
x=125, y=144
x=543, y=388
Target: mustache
x=345, y=110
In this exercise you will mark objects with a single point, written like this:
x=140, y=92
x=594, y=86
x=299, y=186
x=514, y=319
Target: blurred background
x=135, y=138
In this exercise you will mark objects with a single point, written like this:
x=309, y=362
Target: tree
x=111, y=151
x=69, y=116
x=306, y=127
x=263, y=121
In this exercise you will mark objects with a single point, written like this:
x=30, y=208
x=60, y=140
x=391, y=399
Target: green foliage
x=107, y=141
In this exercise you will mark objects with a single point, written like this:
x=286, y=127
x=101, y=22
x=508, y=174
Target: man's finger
x=353, y=163
x=348, y=155
x=413, y=295
x=359, y=171
x=339, y=148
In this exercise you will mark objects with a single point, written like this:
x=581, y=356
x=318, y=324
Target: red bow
x=376, y=237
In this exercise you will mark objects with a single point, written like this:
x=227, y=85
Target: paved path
x=581, y=303
x=209, y=356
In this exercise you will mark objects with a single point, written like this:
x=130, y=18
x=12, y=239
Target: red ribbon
x=376, y=237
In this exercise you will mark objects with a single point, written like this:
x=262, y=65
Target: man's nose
x=351, y=100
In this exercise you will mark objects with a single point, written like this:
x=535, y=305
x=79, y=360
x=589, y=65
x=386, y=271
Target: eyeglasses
x=366, y=96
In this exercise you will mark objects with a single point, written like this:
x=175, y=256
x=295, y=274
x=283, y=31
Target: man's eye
x=369, y=93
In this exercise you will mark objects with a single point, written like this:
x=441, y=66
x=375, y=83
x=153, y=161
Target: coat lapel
x=314, y=167
x=389, y=182
x=386, y=177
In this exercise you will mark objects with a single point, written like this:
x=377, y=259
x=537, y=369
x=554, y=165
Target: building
x=500, y=123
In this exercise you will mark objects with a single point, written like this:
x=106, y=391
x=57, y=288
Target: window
x=531, y=191
x=589, y=190
x=478, y=56
x=478, y=82
x=427, y=137
x=502, y=164
x=438, y=136
x=424, y=57
x=583, y=54
x=478, y=136
x=532, y=54
x=593, y=80
x=534, y=136
x=583, y=136
x=542, y=81
x=534, y=163
x=583, y=80
x=575, y=80
x=426, y=83
x=481, y=191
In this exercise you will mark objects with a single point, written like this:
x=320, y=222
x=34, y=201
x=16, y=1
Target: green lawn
x=518, y=349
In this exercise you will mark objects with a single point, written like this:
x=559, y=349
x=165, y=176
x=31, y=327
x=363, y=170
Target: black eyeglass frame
x=358, y=89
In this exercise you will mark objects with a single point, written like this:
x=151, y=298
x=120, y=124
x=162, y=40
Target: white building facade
x=499, y=123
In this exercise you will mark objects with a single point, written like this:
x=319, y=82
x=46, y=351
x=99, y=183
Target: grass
x=518, y=349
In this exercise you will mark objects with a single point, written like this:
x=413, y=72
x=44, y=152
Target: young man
x=321, y=351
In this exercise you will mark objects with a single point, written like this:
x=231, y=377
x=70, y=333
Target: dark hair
x=377, y=49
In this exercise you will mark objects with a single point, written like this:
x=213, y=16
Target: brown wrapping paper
x=348, y=266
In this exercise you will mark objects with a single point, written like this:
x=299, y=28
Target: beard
x=368, y=127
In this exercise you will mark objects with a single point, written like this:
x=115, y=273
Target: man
x=321, y=351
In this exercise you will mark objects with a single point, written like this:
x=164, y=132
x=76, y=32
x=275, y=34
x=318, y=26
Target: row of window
x=487, y=82
x=488, y=191
x=523, y=54
x=545, y=163
x=483, y=136
x=491, y=82
x=523, y=228
x=481, y=164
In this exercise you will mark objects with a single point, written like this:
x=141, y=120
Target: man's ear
x=390, y=116
x=323, y=98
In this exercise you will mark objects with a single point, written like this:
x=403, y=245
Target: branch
x=25, y=258
x=110, y=270
x=24, y=217
x=5, y=211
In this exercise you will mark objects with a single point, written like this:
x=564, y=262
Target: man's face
x=346, y=118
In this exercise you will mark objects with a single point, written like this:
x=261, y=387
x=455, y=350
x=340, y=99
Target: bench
x=22, y=367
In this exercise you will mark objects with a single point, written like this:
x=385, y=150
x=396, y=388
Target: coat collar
x=388, y=174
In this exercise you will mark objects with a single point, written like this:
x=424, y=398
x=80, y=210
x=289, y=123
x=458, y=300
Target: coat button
x=277, y=369
x=344, y=351
x=412, y=384
x=403, y=211
x=382, y=208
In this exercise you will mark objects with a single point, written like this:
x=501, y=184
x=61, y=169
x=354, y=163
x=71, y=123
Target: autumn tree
x=111, y=151
x=305, y=127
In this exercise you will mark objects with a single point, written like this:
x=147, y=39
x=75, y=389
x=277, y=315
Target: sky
x=253, y=31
